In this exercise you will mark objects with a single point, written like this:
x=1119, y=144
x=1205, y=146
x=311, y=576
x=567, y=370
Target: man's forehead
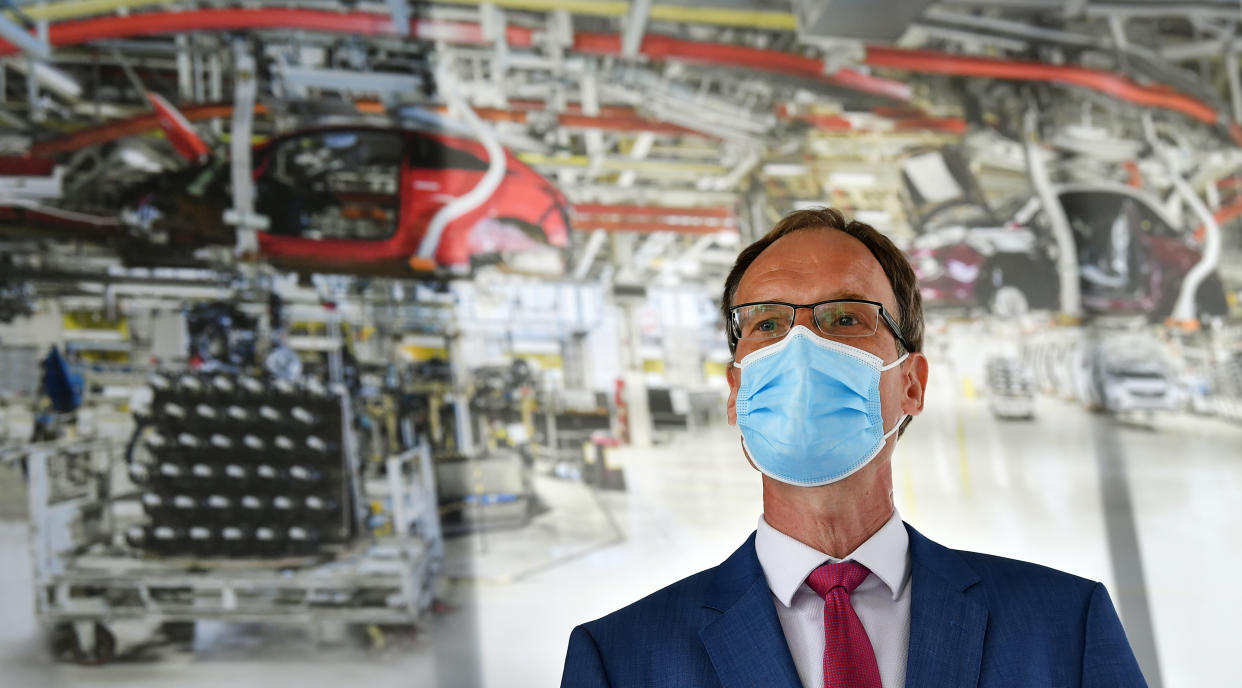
x=815, y=265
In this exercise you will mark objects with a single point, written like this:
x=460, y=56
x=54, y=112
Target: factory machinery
x=239, y=498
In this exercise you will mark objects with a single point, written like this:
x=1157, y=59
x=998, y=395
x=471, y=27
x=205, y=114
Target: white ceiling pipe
x=1235, y=84
x=594, y=244
x=33, y=46
x=487, y=185
x=1067, y=249
x=641, y=149
x=594, y=138
x=735, y=175
x=691, y=256
x=635, y=27
x=50, y=77
x=1184, y=308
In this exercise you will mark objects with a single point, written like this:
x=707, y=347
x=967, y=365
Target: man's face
x=820, y=264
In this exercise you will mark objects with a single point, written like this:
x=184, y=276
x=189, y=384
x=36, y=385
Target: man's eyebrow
x=853, y=295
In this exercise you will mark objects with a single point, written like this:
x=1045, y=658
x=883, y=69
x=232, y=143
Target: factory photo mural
x=371, y=319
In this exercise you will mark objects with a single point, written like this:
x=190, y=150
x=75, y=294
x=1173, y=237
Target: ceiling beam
x=635, y=27
x=23, y=40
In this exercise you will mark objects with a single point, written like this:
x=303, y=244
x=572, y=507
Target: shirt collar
x=786, y=562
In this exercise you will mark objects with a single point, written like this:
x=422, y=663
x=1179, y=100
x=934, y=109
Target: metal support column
x=185, y=81
x=1235, y=84
x=242, y=214
x=635, y=27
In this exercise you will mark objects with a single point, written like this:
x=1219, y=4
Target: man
x=833, y=590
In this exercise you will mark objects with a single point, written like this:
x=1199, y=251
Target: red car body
x=424, y=172
x=523, y=198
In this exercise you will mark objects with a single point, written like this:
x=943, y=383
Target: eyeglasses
x=771, y=320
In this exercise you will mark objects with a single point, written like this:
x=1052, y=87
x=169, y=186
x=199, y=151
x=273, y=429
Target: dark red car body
x=966, y=259
x=424, y=171
x=523, y=199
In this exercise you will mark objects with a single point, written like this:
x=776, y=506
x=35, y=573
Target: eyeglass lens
x=835, y=319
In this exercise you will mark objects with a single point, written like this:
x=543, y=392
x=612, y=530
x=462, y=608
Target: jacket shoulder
x=994, y=568
x=1044, y=627
x=997, y=577
x=1038, y=590
x=1059, y=628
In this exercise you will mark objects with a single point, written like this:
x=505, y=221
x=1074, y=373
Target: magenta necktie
x=849, y=660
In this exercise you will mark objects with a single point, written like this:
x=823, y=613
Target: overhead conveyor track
x=79, y=31
x=656, y=47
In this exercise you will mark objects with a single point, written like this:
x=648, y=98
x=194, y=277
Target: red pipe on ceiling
x=574, y=108
x=919, y=61
x=665, y=47
x=129, y=127
x=653, y=46
x=371, y=23
x=949, y=125
x=81, y=31
x=621, y=119
x=495, y=114
x=1108, y=83
x=827, y=122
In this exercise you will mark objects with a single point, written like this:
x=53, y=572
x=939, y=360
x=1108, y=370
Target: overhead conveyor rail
x=657, y=47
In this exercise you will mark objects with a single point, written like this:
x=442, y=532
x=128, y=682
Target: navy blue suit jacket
x=975, y=620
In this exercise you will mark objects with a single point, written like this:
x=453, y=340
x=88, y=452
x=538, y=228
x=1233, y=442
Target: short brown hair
x=896, y=267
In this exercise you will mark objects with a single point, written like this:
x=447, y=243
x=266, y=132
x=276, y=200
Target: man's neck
x=834, y=519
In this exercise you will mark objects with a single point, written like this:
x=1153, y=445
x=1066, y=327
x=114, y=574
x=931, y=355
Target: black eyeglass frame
x=884, y=315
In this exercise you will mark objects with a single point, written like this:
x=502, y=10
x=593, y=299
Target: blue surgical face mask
x=809, y=408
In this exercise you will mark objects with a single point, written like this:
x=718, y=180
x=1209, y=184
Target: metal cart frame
x=389, y=580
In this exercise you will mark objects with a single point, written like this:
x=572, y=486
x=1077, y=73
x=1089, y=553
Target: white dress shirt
x=882, y=600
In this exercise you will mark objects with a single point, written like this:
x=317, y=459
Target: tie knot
x=847, y=575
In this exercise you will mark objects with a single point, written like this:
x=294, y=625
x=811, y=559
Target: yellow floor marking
x=963, y=465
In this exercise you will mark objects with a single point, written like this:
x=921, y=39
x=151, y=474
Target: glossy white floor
x=1030, y=490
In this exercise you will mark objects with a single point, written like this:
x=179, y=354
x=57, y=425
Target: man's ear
x=914, y=389
x=735, y=377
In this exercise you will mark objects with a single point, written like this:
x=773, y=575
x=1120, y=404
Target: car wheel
x=66, y=644
x=1009, y=301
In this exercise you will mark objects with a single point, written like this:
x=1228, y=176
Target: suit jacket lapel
x=947, y=625
x=745, y=643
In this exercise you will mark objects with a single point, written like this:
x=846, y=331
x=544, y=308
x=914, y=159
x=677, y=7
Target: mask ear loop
x=904, y=416
x=896, y=363
x=896, y=427
x=746, y=453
